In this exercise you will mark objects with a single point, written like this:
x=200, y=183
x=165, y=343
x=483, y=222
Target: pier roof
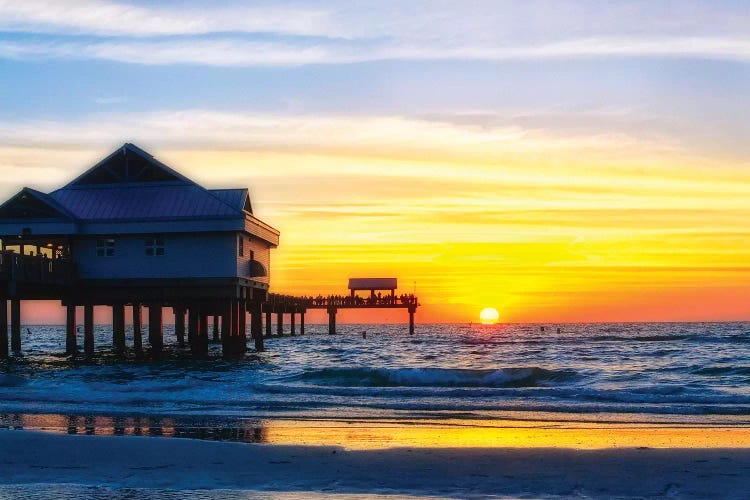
x=131, y=187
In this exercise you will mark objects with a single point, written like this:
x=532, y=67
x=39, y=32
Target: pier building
x=132, y=233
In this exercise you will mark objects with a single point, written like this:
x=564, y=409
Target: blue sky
x=450, y=126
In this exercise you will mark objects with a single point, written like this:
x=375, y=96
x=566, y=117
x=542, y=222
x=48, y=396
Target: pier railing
x=35, y=269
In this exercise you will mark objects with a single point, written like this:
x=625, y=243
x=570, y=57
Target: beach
x=456, y=411
x=122, y=463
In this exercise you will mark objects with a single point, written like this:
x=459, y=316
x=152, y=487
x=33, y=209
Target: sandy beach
x=32, y=457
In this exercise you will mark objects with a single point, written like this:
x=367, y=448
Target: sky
x=560, y=160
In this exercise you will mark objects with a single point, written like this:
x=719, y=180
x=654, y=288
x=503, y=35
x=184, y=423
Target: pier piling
x=88, y=330
x=118, y=328
x=226, y=330
x=412, y=310
x=280, y=324
x=179, y=324
x=269, y=327
x=71, y=346
x=293, y=329
x=15, y=325
x=256, y=325
x=332, y=320
x=3, y=328
x=194, y=325
x=137, y=333
x=201, y=338
x=302, y=322
x=216, y=327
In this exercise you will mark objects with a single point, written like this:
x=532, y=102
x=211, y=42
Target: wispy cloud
x=343, y=33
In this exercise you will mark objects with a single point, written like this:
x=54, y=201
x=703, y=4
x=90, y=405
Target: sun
x=489, y=316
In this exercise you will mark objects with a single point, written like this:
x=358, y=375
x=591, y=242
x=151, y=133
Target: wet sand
x=449, y=469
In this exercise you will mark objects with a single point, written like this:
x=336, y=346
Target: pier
x=132, y=233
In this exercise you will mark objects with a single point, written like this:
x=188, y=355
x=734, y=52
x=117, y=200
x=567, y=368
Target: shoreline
x=32, y=458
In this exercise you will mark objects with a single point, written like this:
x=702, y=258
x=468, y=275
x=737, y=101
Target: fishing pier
x=132, y=233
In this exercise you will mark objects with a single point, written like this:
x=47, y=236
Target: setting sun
x=489, y=316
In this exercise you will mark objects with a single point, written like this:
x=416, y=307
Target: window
x=155, y=246
x=105, y=247
x=241, y=245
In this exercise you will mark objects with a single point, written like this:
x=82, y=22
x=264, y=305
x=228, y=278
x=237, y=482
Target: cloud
x=337, y=32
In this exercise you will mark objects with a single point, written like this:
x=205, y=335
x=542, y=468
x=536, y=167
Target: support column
x=155, y=332
x=201, y=339
x=226, y=330
x=15, y=325
x=302, y=322
x=71, y=346
x=88, y=330
x=332, y=321
x=137, y=329
x=280, y=324
x=291, y=324
x=256, y=325
x=194, y=326
x=3, y=328
x=216, y=328
x=118, y=328
x=242, y=312
x=412, y=310
x=234, y=333
x=269, y=326
x=179, y=324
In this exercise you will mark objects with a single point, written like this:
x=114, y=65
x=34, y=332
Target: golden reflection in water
x=425, y=434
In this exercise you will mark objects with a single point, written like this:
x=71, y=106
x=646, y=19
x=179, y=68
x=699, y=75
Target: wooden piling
x=71, y=347
x=179, y=324
x=242, y=325
x=332, y=320
x=155, y=331
x=118, y=328
x=137, y=330
x=3, y=328
x=194, y=325
x=412, y=310
x=269, y=327
x=292, y=326
x=88, y=330
x=226, y=330
x=280, y=324
x=15, y=325
x=201, y=339
x=256, y=325
x=302, y=322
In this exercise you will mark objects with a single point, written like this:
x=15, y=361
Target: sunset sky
x=557, y=160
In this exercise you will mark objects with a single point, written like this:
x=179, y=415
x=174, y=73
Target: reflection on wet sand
x=384, y=434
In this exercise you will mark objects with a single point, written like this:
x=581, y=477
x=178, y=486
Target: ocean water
x=636, y=372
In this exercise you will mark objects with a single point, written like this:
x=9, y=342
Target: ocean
x=629, y=373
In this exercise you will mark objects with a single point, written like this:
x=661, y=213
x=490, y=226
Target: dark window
x=241, y=245
x=154, y=246
x=105, y=247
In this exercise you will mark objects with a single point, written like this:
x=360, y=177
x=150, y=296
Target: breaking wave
x=436, y=377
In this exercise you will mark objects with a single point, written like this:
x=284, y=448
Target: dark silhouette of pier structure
x=131, y=233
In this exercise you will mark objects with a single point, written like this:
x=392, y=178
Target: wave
x=722, y=370
x=435, y=377
x=645, y=338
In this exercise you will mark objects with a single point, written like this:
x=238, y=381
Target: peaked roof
x=130, y=184
x=30, y=203
x=128, y=164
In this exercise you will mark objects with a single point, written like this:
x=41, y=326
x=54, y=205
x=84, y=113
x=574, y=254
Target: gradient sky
x=557, y=160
